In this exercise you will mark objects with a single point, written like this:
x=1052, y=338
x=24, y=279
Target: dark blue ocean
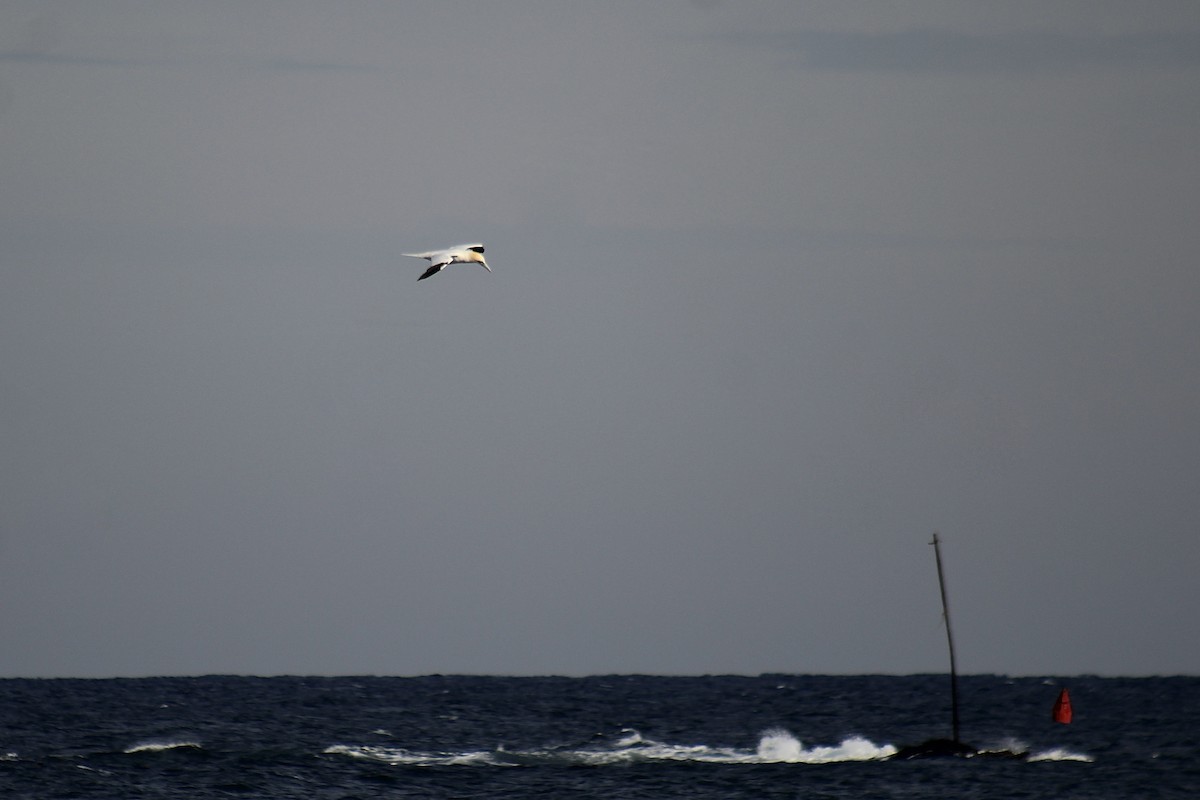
x=611, y=737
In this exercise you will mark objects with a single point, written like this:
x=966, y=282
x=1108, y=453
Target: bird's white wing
x=435, y=256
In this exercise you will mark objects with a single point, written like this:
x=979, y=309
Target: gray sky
x=779, y=288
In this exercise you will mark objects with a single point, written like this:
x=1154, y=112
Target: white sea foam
x=630, y=738
x=159, y=746
x=780, y=746
x=775, y=747
x=1009, y=746
x=1059, y=754
x=401, y=757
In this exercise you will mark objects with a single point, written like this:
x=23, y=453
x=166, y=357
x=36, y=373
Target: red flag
x=1062, y=708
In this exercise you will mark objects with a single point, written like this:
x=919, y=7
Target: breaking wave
x=1059, y=754
x=1015, y=747
x=775, y=746
x=160, y=746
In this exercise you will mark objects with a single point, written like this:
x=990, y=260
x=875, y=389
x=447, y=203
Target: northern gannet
x=461, y=254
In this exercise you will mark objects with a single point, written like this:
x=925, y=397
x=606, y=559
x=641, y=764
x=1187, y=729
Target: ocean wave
x=398, y=756
x=159, y=746
x=775, y=746
x=780, y=746
x=1059, y=754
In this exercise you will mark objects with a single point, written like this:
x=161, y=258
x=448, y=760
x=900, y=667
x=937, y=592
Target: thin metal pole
x=937, y=554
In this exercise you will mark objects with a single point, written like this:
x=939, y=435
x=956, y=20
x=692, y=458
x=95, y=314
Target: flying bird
x=462, y=254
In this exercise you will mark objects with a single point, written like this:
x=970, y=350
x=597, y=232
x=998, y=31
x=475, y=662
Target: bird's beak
x=485, y=266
